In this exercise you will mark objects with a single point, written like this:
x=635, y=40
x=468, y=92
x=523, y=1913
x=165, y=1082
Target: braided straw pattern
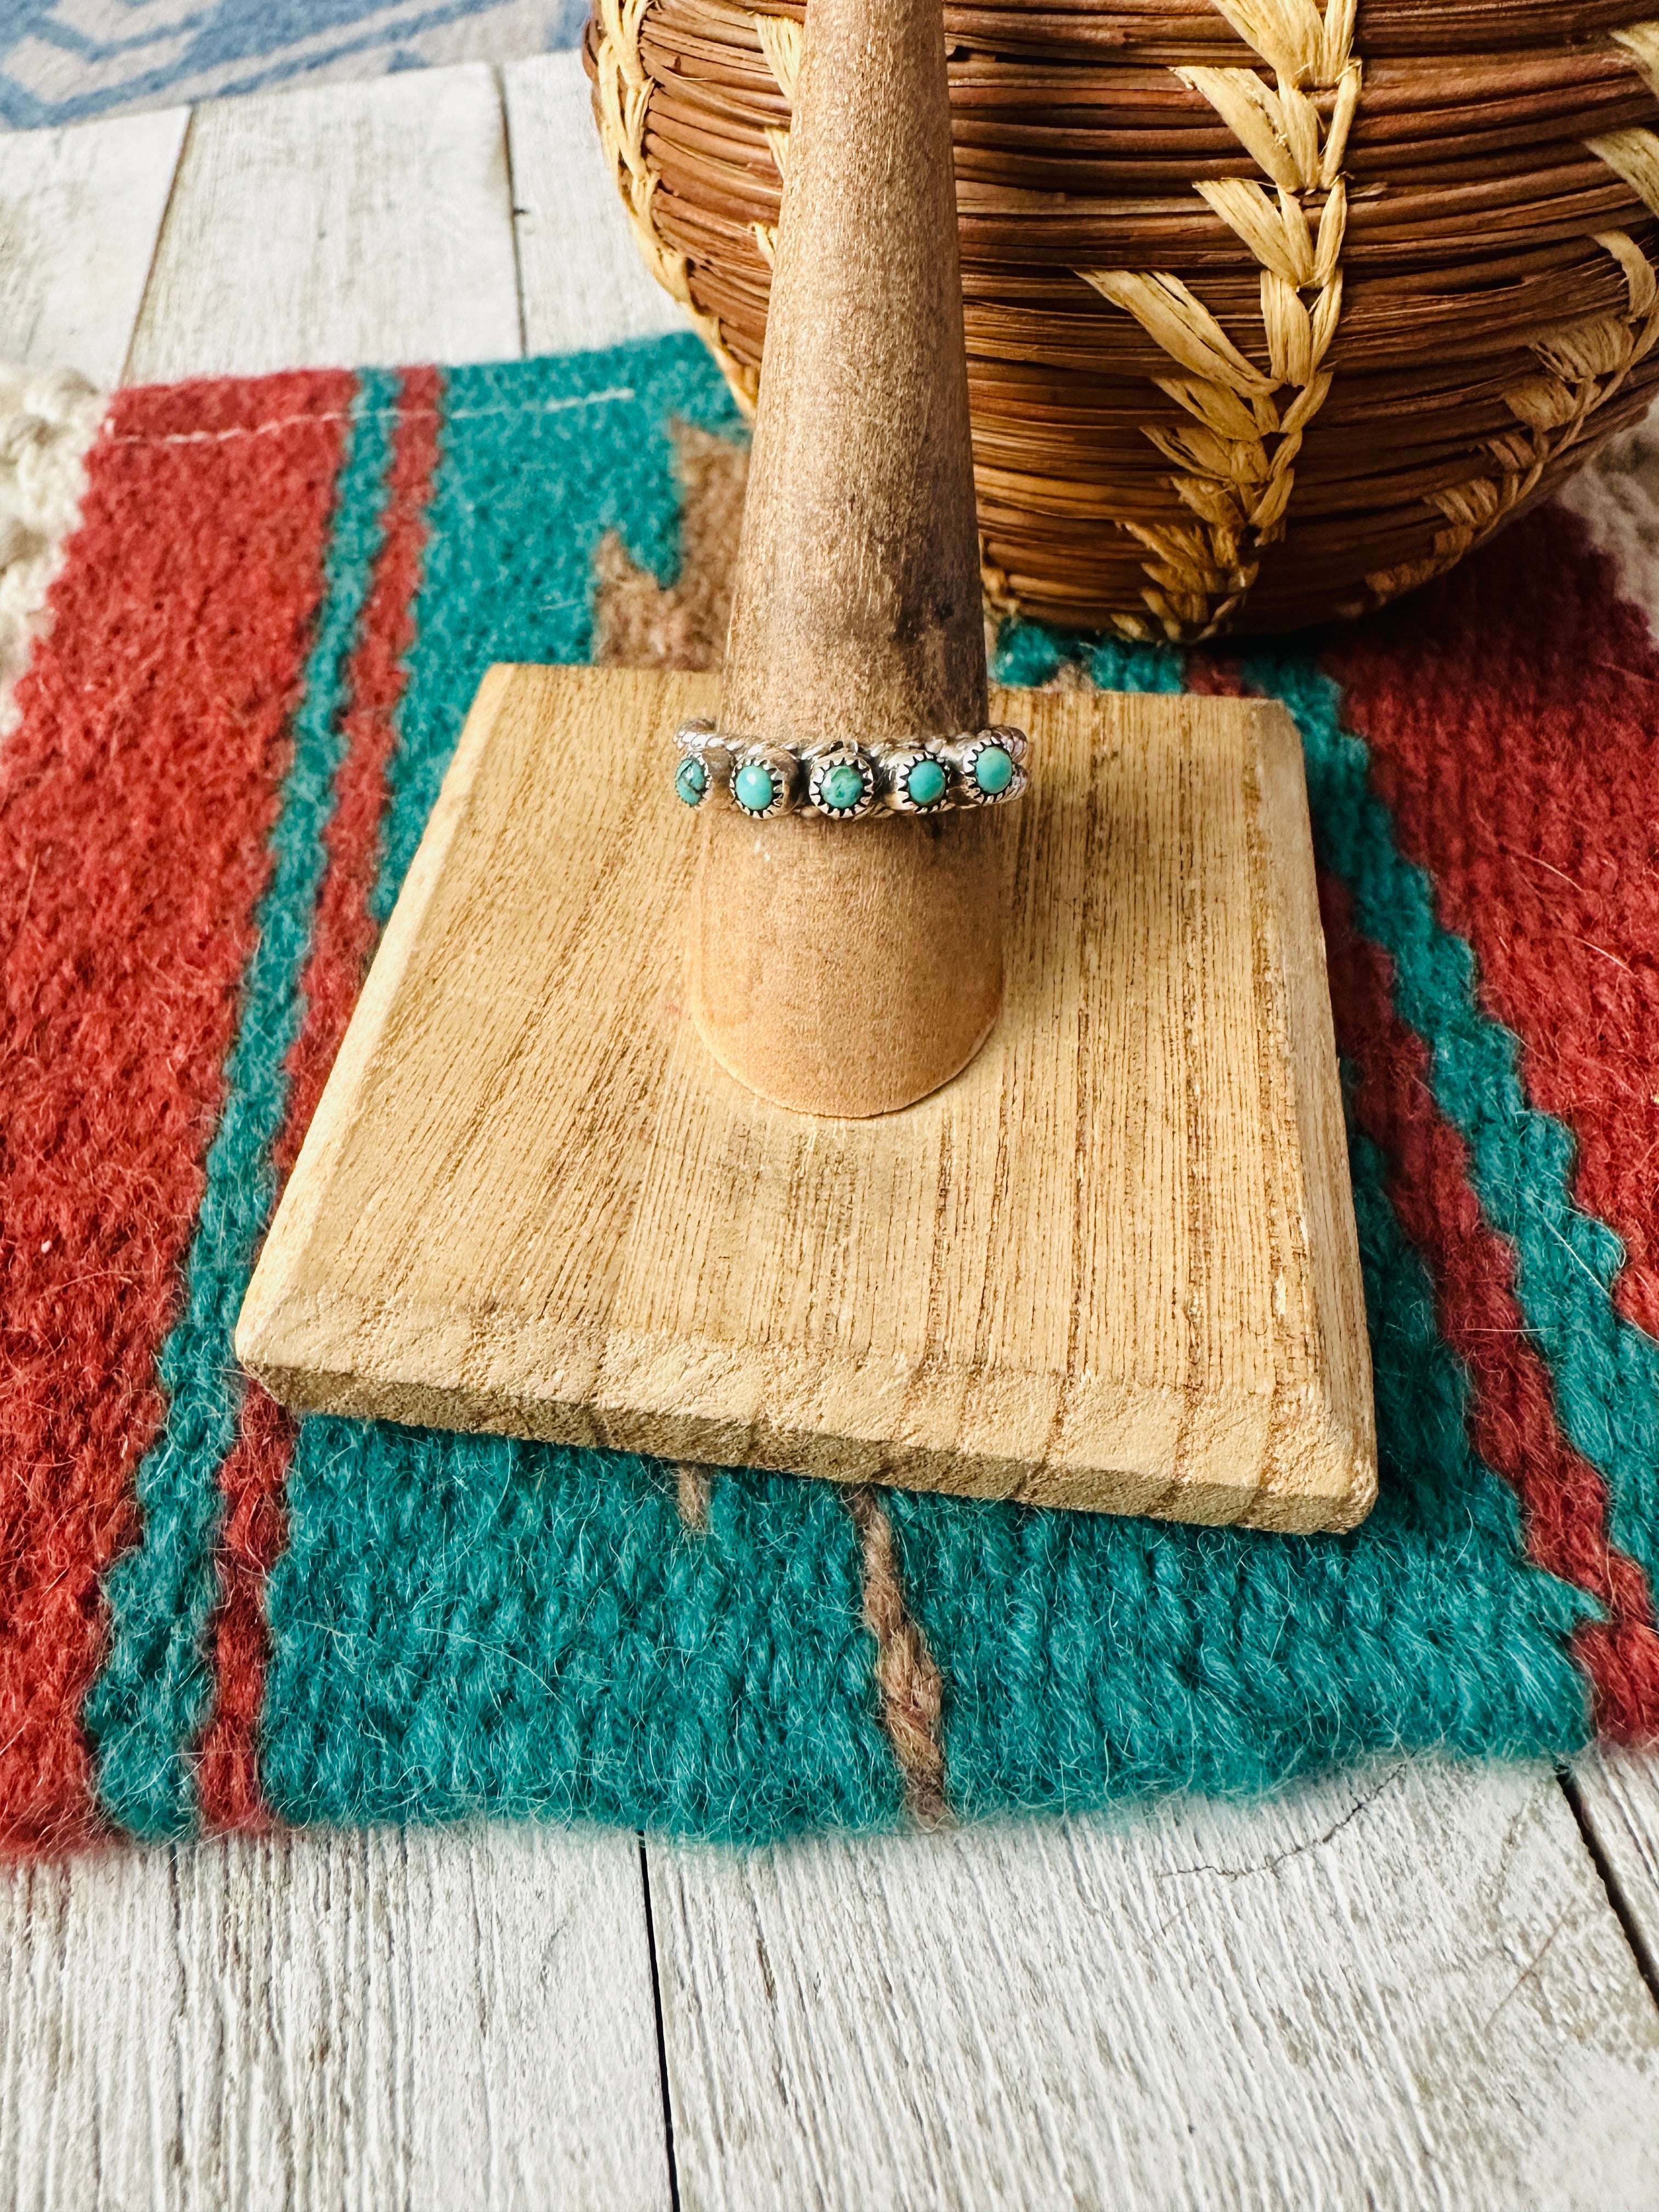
x=1580, y=370
x=621, y=104
x=1421, y=276
x=1581, y=366
x=783, y=41
x=1235, y=470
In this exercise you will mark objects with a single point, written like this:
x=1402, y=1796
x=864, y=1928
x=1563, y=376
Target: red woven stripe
x=1511, y=714
x=136, y=803
x=1512, y=1424
x=255, y=1474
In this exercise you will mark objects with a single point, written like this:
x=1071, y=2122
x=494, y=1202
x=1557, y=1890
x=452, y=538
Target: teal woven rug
x=226, y=744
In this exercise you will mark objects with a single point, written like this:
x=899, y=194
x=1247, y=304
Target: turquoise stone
x=754, y=787
x=994, y=771
x=843, y=785
x=925, y=783
x=691, y=780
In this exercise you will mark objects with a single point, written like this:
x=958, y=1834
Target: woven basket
x=1273, y=313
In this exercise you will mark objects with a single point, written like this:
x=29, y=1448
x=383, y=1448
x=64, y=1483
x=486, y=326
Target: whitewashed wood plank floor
x=395, y=2018
x=1418, y=1985
x=332, y=227
x=80, y=212
x=1402, y=1987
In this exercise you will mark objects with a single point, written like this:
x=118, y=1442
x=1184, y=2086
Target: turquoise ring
x=842, y=779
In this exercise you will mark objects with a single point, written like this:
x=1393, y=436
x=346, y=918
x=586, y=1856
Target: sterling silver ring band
x=842, y=781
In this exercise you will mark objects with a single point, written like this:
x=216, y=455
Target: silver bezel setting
x=698, y=740
x=967, y=750
x=692, y=801
x=842, y=756
x=900, y=762
x=783, y=769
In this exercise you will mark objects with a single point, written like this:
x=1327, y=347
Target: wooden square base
x=1112, y=1265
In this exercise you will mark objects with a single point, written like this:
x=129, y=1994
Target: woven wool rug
x=242, y=670
x=62, y=61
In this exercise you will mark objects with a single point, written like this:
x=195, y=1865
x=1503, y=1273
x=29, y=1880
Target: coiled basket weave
x=1274, y=309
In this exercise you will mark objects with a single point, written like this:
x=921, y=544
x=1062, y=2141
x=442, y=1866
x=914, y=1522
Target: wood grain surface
x=584, y=283
x=1616, y=1794
x=328, y=227
x=1207, y=1977
x=965, y=1295
x=382, y=2018
x=857, y=598
x=1396, y=1990
x=80, y=212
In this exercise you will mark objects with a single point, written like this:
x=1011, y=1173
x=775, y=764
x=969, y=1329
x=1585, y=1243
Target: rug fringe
x=1616, y=498
x=48, y=418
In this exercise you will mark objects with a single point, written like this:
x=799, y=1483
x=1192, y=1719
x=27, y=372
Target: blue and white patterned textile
x=64, y=59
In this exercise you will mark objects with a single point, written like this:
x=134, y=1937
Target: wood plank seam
x=156, y=248
x=664, y=2084
x=513, y=208
x=1624, y=1911
x=429, y=2018
x=330, y=194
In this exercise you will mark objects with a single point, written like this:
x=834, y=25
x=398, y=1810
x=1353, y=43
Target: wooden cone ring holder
x=852, y=968
x=704, y=1136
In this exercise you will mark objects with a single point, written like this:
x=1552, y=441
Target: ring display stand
x=1112, y=1264
x=1105, y=1258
